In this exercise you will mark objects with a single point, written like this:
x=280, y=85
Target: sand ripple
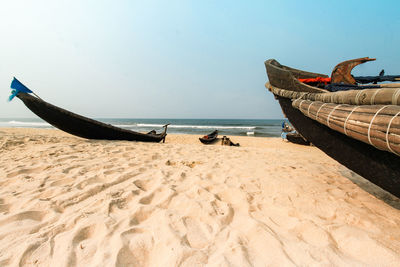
x=66, y=201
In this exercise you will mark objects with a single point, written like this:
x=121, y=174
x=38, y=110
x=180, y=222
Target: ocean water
x=232, y=127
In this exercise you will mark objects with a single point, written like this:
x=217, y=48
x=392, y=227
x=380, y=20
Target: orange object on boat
x=316, y=80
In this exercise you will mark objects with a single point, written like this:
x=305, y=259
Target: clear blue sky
x=182, y=59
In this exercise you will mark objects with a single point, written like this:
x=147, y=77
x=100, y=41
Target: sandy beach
x=67, y=201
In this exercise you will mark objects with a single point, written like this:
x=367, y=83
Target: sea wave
x=29, y=123
x=187, y=126
x=198, y=126
x=124, y=125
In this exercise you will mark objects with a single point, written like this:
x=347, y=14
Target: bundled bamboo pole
x=361, y=129
x=377, y=96
x=377, y=125
x=362, y=114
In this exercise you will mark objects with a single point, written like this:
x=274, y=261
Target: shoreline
x=234, y=127
x=66, y=200
x=172, y=138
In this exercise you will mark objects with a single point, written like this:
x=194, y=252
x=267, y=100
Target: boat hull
x=82, y=126
x=296, y=138
x=380, y=167
x=211, y=138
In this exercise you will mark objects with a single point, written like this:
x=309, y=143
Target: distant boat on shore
x=358, y=125
x=210, y=138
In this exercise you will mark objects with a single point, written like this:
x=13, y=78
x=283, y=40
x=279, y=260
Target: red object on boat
x=316, y=80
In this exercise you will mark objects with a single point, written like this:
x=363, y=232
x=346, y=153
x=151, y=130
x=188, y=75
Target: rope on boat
x=387, y=134
x=316, y=117
x=308, y=110
x=330, y=113
x=395, y=97
x=370, y=115
x=357, y=98
x=373, y=97
x=345, y=122
x=370, y=124
x=301, y=102
x=376, y=125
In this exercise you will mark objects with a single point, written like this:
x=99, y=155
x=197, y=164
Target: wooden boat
x=358, y=128
x=79, y=125
x=210, y=138
x=290, y=134
x=296, y=138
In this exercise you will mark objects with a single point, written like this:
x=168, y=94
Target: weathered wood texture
x=82, y=126
x=348, y=114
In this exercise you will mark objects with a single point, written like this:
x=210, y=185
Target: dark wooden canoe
x=210, y=138
x=380, y=167
x=82, y=126
x=296, y=138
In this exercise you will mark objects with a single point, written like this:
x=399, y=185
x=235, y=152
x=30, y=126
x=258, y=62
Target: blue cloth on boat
x=334, y=87
x=18, y=87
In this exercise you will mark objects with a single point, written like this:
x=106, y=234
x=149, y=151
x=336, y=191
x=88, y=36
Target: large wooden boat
x=358, y=128
x=79, y=125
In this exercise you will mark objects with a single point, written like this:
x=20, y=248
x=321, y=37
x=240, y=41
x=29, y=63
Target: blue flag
x=18, y=87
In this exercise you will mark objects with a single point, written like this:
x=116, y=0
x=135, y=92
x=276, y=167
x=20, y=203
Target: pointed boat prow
x=342, y=71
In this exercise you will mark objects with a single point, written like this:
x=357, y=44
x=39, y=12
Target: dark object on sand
x=210, y=138
x=296, y=138
x=227, y=142
x=78, y=125
x=360, y=129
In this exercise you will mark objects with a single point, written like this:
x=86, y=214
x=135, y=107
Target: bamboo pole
x=376, y=125
x=384, y=96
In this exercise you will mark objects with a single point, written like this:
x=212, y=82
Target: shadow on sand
x=372, y=188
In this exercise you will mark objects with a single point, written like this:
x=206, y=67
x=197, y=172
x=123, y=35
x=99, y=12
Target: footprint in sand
x=147, y=199
x=132, y=164
x=63, y=181
x=89, y=181
x=67, y=170
x=60, y=160
x=26, y=218
x=118, y=203
x=31, y=255
x=196, y=235
x=156, y=156
x=161, y=197
x=115, y=170
x=144, y=185
x=4, y=208
x=24, y=223
x=82, y=247
x=193, y=258
x=223, y=211
x=141, y=215
x=25, y=171
x=136, y=247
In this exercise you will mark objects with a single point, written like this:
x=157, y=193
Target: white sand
x=66, y=201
